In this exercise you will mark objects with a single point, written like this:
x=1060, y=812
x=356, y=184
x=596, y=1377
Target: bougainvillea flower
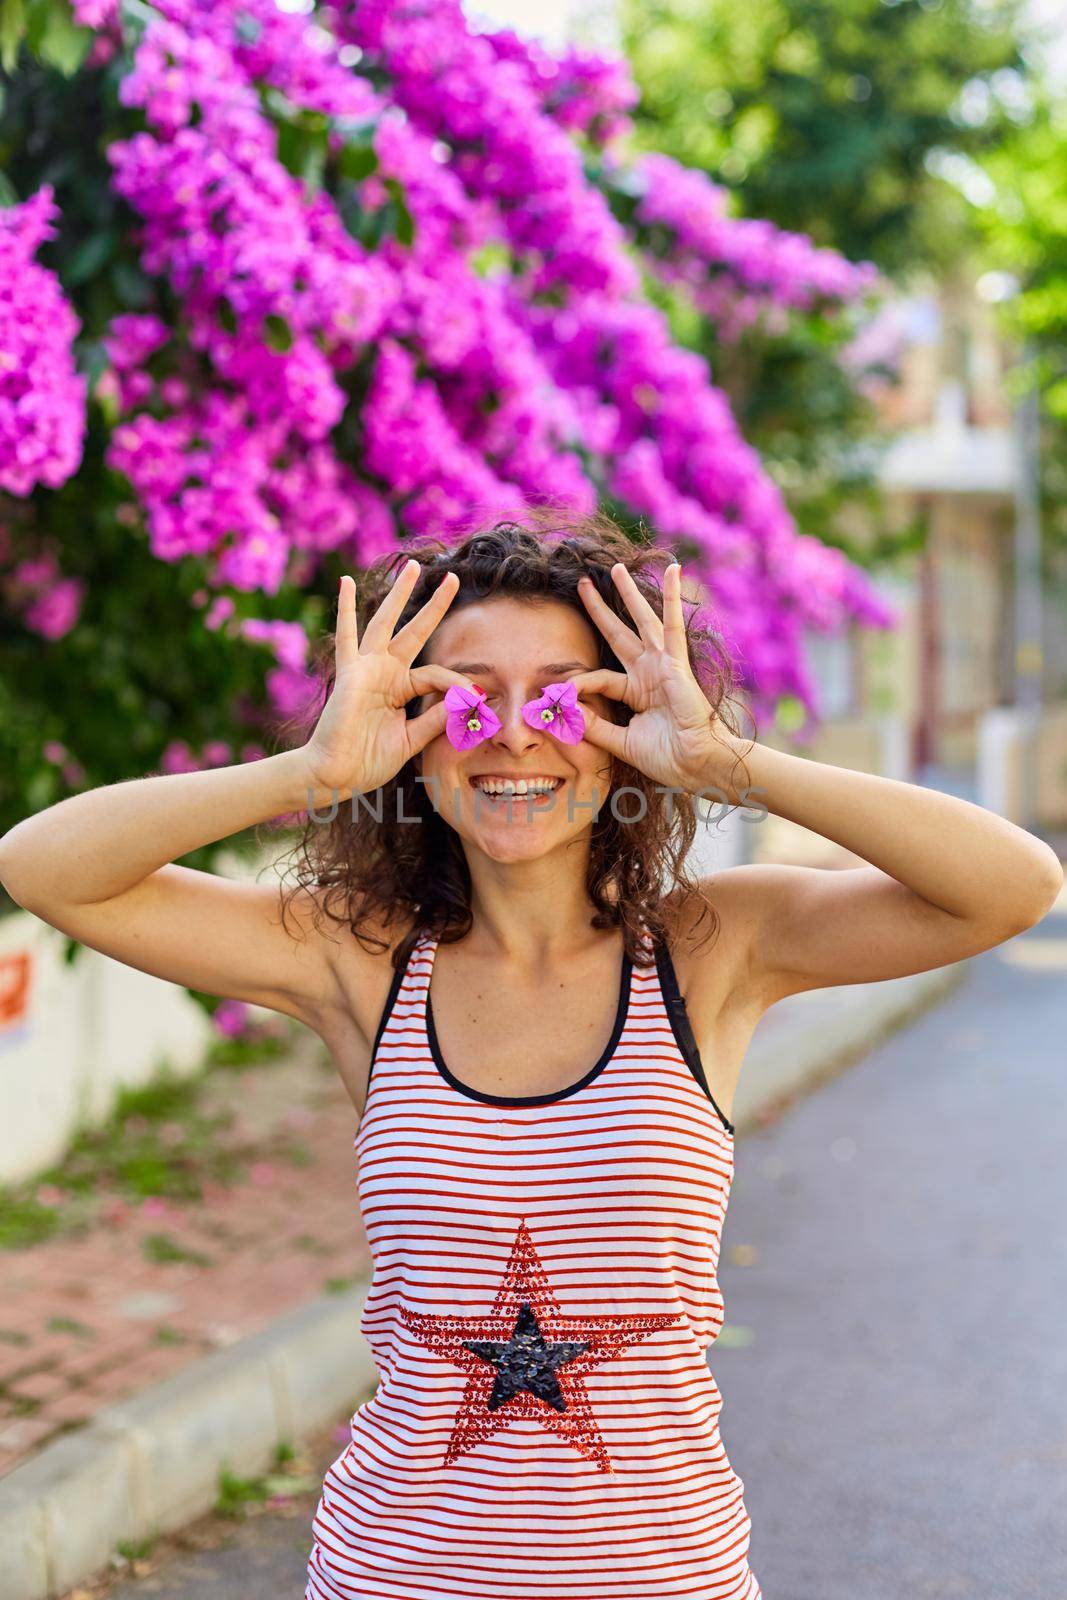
x=557, y=711
x=470, y=717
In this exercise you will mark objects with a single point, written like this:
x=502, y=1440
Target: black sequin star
x=527, y=1362
x=512, y=1367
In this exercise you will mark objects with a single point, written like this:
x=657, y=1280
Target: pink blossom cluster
x=95, y=13
x=290, y=686
x=872, y=358
x=662, y=436
x=57, y=755
x=42, y=397
x=677, y=458
x=275, y=291
x=233, y=461
x=454, y=85
x=48, y=603
x=495, y=392
x=451, y=330
x=736, y=268
x=583, y=92
x=410, y=442
x=178, y=756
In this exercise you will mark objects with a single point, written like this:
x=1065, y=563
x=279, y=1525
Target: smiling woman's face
x=512, y=649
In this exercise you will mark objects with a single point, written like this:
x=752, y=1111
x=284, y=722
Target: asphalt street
x=894, y=1366
x=899, y=1416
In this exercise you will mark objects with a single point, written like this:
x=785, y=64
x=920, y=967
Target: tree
x=823, y=115
x=1025, y=225
x=836, y=119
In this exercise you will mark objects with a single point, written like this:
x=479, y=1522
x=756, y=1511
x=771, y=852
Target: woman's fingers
x=674, y=640
x=613, y=685
x=649, y=625
x=623, y=640
x=379, y=629
x=427, y=678
x=407, y=644
x=606, y=735
x=346, y=634
x=427, y=726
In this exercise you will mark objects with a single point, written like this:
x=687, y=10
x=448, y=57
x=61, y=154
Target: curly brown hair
x=377, y=871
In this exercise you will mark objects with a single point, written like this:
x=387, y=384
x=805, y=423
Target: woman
x=493, y=912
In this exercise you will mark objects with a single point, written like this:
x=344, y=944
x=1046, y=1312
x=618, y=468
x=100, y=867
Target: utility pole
x=1029, y=621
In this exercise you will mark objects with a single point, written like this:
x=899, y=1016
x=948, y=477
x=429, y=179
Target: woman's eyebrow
x=471, y=668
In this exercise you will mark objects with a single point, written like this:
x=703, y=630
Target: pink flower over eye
x=557, y=711
x=470, y=718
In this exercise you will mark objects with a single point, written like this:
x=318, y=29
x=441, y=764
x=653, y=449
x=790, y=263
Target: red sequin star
x=527, y=1359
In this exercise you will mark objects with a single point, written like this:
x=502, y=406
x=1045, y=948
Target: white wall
x=86, y=1029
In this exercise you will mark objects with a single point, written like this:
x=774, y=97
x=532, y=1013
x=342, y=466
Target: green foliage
x=820, y=115
x=237, y=1494
x=161, y=1248
x=1026, y=230
x=166, y=1138
x=47, y=29
x=827, y=117
x=135, y=1549
x=165, y=1334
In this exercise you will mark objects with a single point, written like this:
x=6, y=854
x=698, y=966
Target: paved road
x=900, y=1415
x=899, y=1412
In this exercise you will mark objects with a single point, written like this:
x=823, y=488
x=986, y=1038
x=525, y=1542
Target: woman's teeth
x=517, y=786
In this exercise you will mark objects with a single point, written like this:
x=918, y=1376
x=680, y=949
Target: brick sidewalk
x=151, y=1284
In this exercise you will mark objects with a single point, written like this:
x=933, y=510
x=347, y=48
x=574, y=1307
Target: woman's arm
x=101, y=866
x=946, y=878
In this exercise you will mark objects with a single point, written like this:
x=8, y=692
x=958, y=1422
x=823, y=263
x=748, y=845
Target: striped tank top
x=544, y=1295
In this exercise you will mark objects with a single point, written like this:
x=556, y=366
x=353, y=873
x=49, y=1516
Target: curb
x=151, y=1464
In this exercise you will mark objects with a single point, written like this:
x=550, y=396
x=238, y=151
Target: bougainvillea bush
x=281, y=286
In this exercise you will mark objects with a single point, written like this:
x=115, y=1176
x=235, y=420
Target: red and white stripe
x=623, y=1185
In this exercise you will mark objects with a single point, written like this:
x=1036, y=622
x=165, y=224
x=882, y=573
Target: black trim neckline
x=682, y=1028
x=622, y=1011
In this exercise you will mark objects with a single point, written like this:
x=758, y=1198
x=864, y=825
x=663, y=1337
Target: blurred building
x=936, y=700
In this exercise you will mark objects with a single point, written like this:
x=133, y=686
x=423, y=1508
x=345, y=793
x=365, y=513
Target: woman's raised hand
x=363, y=737
x=670, y=737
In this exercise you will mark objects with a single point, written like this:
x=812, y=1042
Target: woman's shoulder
x=364, y=945
x=710, y=924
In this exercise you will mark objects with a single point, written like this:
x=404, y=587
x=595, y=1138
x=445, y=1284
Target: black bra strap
x=681, y=1026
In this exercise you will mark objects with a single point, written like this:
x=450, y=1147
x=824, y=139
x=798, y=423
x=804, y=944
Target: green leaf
x=136, y=14
x=89, y=257
x=63, y=45
x=12, y=28
x=282, y=1483
x=358, y=161
x=789, y=713
x=130, y=285
x=404, y=225
x=302, y=148
x=227, y=316
x=277, y=333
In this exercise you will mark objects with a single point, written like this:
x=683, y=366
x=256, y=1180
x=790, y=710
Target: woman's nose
x=514, y=732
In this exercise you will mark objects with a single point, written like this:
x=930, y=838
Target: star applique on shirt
x=527, y=1362
x=528, y=1359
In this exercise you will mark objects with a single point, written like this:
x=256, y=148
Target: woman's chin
x=521, y=837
